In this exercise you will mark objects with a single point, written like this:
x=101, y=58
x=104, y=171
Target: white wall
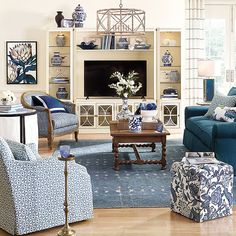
x=29, y=20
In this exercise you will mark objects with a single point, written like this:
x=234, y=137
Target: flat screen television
x=97, y=76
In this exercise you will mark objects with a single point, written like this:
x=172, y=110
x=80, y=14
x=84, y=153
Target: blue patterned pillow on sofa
x=220, y=101
x=53, y=104
x=227, y=114
x=21, y=151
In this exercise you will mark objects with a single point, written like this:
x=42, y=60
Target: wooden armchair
x=52, y=124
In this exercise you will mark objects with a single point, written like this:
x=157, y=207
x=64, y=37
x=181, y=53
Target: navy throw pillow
x=54, y=105
x=232, y=91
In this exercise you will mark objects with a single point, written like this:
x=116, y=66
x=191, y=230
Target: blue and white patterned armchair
x=32, y=193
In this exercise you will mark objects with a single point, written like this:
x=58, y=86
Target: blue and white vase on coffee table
x=135, y=123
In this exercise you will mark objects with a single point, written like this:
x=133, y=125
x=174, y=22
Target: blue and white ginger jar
x=56, y=59
x=167, y=59
x=79, y=16
x=135, y=123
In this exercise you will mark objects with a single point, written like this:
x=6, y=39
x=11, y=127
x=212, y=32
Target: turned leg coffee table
x=123, y=137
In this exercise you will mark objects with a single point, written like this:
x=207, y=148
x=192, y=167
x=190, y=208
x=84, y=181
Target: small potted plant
x=7, y=97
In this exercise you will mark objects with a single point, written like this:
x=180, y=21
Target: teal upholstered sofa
x=204, y=134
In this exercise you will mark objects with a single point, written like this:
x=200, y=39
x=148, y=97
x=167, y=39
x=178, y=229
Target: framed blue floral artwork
x=21, y=62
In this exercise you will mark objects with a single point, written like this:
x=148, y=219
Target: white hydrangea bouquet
x=126, y=85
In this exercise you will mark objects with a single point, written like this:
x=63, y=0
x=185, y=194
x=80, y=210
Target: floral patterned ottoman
x=202, y=192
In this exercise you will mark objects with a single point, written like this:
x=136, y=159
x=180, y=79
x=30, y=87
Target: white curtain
x=194, y=41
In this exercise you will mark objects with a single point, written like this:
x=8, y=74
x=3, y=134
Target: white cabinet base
x=170, y=114
x=95, y=114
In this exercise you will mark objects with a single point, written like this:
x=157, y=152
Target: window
x=220, y=43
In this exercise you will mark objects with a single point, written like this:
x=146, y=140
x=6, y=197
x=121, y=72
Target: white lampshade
x=206, y=68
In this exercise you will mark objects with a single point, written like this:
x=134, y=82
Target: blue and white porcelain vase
x=135, y=123
x=174, y=76
x=125, y=112
x=56, y=59
x=60, y=40
x=79, y=16
x=62, y=93
x=159, y=126
x=167, y=59
x=122, y=43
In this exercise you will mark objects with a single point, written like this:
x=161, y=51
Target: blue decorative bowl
x=85, y=46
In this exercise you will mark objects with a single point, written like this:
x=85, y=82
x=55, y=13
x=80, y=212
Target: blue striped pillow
x=53, y=104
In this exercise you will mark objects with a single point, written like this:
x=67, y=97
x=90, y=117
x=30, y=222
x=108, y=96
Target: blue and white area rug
x=131, y=186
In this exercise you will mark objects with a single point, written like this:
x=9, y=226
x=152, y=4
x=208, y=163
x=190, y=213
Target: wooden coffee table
x=123, y=137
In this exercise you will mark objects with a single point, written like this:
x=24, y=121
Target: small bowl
x=85, y=46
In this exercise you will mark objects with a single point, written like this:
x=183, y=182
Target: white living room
x=118, y=118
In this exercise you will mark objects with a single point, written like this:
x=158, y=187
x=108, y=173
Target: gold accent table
x=66, y=230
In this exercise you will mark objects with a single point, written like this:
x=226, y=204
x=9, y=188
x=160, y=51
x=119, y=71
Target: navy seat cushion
x=61, y=120
x=202, y=127
x=53, y=104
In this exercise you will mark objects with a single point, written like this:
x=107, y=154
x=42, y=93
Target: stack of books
x=108, y=42
x=194, y=158
x=10, y=107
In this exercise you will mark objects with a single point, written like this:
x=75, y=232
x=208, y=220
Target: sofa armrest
x=192, y=111
x=224, y=130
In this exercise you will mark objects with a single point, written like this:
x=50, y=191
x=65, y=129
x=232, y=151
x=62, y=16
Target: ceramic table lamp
x=206, y=68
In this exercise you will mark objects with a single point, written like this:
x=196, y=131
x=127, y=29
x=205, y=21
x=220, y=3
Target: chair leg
x=50, y=141
x=76, y=136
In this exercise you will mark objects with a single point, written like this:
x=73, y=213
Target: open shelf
x=64, y=47
x=170, y=108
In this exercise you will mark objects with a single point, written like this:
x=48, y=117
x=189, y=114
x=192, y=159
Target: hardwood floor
x=139, y=221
